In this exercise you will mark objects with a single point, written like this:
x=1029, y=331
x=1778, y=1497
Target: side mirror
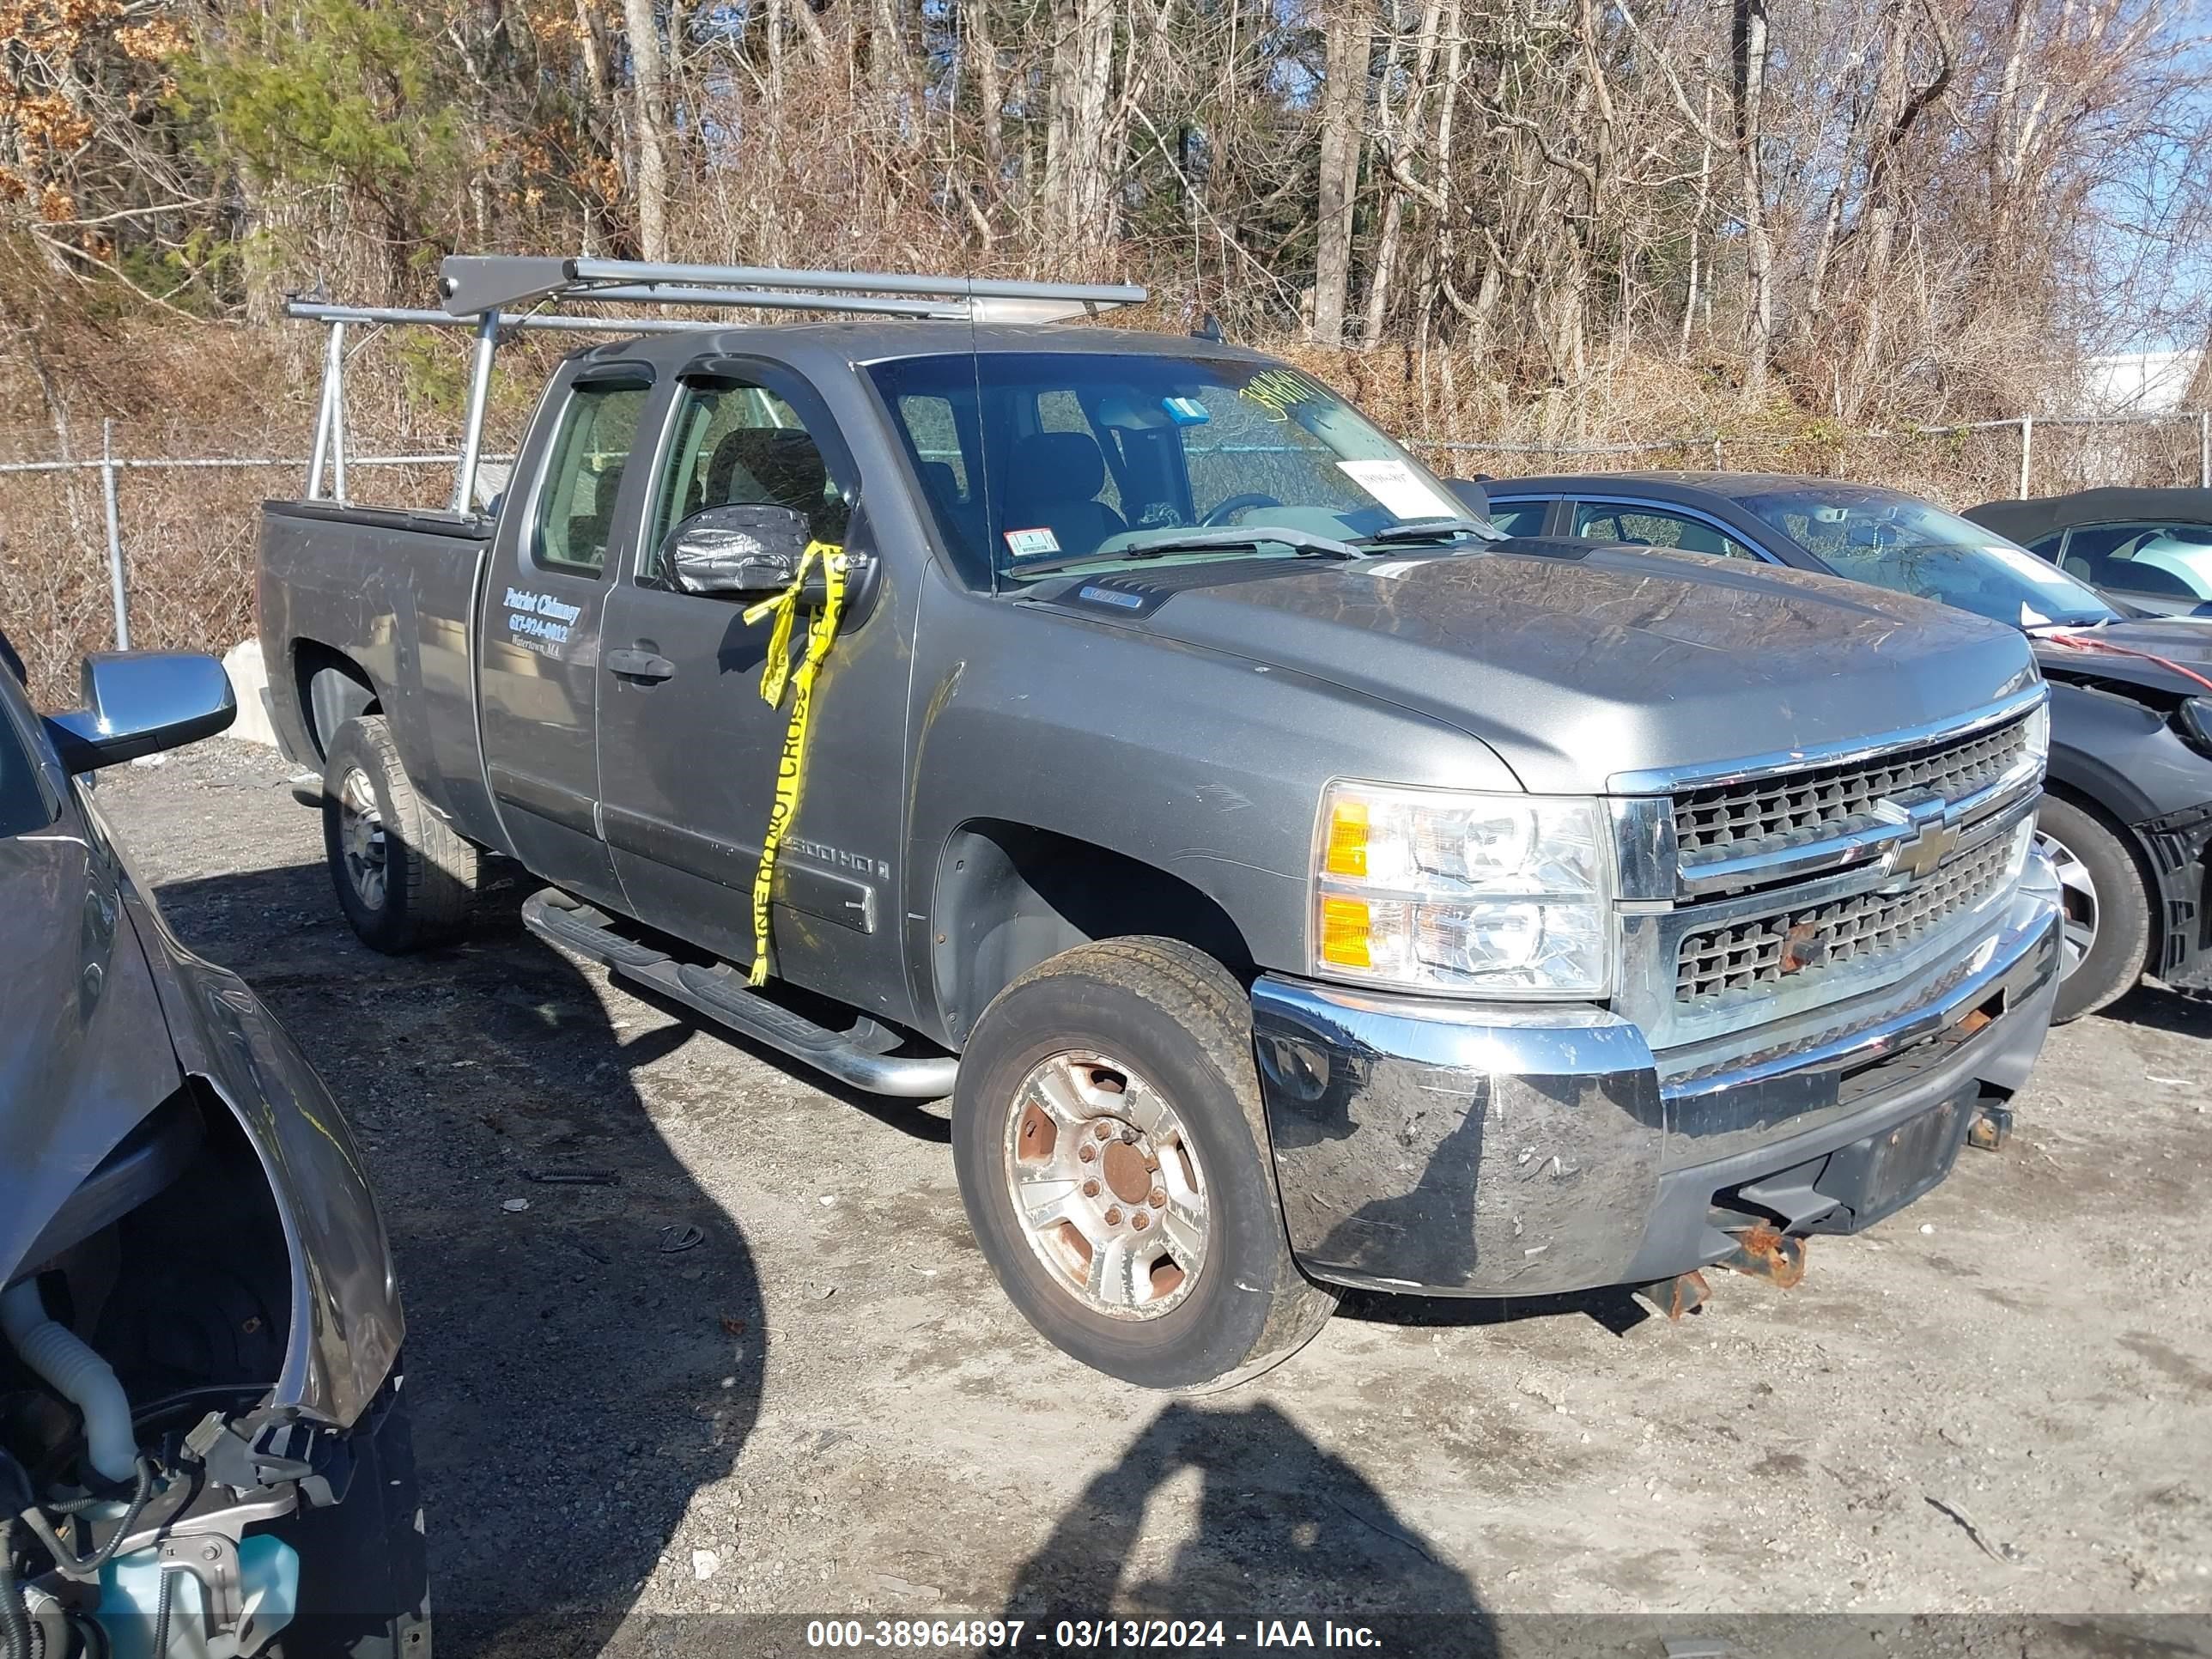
x=736, y=549
x=137, y=702
x=1472, y=496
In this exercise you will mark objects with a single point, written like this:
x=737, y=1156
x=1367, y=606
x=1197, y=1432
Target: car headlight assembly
x=2192, y=724
x=1453, y=891
x=2039, y=732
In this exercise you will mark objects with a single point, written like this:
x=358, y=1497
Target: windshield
x=23, y=806
x=1036, y=459
x=1896, y=542
x=2185, y=552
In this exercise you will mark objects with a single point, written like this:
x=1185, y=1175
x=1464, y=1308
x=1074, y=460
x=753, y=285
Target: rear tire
x=2107, y=899
x=404, y=878
x=1114, y=1159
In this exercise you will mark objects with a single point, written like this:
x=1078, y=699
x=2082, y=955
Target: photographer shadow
x=585, y=1329
x=1285, y=1529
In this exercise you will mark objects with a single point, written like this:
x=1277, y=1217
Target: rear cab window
x=584, y=473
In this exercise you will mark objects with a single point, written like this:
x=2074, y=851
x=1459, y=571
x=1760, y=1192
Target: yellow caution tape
x=775, y=674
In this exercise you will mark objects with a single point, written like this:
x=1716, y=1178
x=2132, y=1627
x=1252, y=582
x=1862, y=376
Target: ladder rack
x=488, y=293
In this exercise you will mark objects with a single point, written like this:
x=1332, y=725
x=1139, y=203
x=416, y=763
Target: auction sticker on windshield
x=1029, y=543
x=1393, y=483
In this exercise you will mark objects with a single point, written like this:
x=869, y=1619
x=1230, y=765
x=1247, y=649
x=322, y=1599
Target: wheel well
x=1010, y=895
x=333, y=689
x=173, y=1266
x=2152, y=892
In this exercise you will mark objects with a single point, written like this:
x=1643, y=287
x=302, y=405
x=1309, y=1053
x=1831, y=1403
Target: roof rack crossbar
x=761, y=299
x=329, y=457
x=471, y=284
x=855, y=282
x=315, y=311
x=490, y=294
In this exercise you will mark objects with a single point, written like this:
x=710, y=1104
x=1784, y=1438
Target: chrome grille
x=1744, y=819
x=1746, y=958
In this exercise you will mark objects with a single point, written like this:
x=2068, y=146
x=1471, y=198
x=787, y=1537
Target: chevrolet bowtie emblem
x=1928, y=843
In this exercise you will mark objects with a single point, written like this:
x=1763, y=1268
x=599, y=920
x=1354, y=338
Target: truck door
x=539, y=675
x=689, y=749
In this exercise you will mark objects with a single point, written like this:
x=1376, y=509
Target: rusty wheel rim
x=1106, y=1186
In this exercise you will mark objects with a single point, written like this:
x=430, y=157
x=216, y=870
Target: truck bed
x=394, y=589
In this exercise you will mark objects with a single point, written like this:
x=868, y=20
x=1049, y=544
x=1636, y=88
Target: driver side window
x=1652, y=526
x=740, y=445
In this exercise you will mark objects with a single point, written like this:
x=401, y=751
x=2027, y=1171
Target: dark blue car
x=2128, y=809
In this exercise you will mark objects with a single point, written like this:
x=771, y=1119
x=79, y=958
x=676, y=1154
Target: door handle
x=634, y=665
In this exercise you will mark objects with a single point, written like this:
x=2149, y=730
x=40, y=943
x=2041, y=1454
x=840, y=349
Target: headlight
x=1441, y=890
x=2192, y=724
x=2039, y=732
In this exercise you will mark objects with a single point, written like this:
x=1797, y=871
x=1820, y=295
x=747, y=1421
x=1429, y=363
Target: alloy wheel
x=1106, y=1186
x=2077, y=897
x=362, y=838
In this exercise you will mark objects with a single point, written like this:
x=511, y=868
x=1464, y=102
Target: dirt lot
x=824, y=1407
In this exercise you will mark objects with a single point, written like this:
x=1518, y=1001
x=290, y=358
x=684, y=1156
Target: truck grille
x=1747, y=956
x=1737, y=820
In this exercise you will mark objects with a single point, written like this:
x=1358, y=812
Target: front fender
x=1185, y=760
x=2122, y=755
x=346, y=1325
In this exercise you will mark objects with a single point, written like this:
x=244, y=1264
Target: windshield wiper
x=1436, y=529
x=1227, y=539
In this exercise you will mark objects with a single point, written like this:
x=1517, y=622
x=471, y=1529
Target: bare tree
x=649, y=127
x=1349, y=50
x=1749, y=27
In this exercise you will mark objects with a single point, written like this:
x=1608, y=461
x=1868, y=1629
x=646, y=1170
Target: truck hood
x=88, y=1054
x=1580, y=662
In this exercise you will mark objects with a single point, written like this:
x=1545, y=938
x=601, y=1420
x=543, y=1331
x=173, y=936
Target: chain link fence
x=2050, y=454
x=97, y=552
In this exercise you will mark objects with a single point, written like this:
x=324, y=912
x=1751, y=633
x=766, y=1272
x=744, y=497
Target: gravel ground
x=1998, y=1403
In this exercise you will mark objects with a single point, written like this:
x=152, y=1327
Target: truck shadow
x=585, y=1328
x=1615, y=1309
x=1284, y=1529
x=2161, y=1008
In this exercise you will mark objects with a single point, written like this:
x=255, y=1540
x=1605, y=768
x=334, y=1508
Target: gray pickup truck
x=1295, y=885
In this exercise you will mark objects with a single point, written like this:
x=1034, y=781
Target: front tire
x=2107, y=898
x=1113, y=1156
x=404, y=878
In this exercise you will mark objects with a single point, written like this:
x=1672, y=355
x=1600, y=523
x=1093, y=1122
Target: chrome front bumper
x=1503, y=1150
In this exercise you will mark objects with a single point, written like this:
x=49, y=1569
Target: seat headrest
x=1057, y=467
x=778, y=466
x=942, y=481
